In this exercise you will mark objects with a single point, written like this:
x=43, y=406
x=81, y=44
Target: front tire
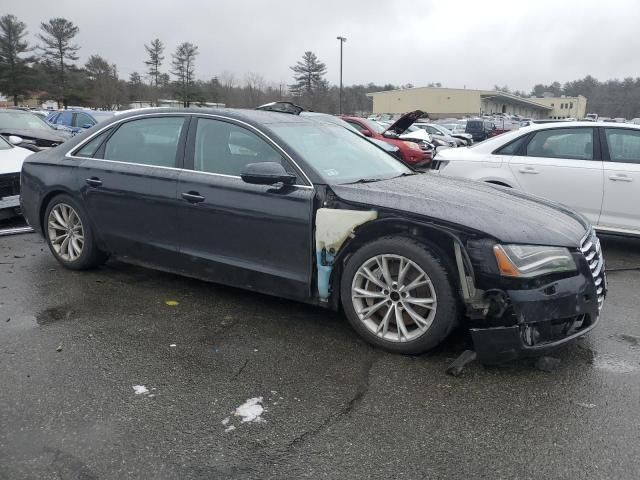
x=397, y=295
x=69, y=234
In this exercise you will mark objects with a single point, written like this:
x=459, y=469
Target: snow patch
x=250, y=410
x=140, y=389
x=230, y=428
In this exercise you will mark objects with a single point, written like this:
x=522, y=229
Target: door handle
x=620, y=178
x=94, y=181
x=528, y=170
x=193, y=197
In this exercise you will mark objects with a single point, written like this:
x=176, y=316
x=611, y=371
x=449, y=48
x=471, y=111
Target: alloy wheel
x=66, y=234
x=394, y=298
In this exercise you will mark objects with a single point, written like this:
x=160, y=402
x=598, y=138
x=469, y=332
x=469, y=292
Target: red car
x=413, y=153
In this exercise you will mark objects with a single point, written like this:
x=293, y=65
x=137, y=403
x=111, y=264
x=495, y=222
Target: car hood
x=33, y=133
x=11, y=159
x=399, y=126
x=417, y=135
x=507, y=215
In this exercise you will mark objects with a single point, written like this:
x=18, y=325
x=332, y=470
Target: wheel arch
x=432, y=236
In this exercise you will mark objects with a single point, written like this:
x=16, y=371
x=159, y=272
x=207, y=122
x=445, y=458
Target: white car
x=592, y=167
x=11, y=158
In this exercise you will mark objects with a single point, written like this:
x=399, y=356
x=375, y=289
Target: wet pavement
x=73, y=345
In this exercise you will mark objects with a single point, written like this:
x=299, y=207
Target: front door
x=621, y=180
x=252, y=236
x=562, y=165
x=130, y=189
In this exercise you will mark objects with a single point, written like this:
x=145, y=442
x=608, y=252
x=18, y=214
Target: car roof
x=246, y=115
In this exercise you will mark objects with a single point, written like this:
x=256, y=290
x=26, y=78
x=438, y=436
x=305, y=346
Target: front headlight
x=412, y=145
x=525, y=261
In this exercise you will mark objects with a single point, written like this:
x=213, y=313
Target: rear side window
x=624, y=145
x=150, y=141
x=82, y=120
x=65, y=118
x=474, y=125
x=512, y=148
x=225, y=148
x=572, y=143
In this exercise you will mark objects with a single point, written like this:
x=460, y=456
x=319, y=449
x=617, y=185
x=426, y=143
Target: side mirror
x=15, y=140
x=87, y=125
x=366, y=133
x=266, y=173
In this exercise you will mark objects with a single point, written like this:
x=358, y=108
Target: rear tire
x=397, y=294
x=69, y=234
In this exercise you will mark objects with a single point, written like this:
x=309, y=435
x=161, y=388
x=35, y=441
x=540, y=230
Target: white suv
x=592, y=167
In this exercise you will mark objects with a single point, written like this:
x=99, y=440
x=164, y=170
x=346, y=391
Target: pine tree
x=183, y=64
x=156, y=57
x=14, y=68
x=308, y=75
x=57, y=50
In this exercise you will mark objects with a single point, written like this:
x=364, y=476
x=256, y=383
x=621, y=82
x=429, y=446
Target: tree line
x=50, y=70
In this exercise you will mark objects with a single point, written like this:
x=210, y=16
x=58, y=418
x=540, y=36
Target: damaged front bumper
x=545, y=318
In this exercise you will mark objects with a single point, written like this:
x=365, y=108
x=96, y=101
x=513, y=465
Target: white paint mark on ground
x=586, y=405
x=251, y=410
x=172, y=345
x=140, y=389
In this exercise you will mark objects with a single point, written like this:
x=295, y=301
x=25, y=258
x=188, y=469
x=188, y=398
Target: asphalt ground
x=73, y=345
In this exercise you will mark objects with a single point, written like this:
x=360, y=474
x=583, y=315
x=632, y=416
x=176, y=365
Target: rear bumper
x=546, y=319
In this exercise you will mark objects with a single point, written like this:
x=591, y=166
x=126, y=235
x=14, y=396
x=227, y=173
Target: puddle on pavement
x=53, y=314
x=612, y=364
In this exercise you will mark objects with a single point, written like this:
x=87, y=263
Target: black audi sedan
x=290, y=206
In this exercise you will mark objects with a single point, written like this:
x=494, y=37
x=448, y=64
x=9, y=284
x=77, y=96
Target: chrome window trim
x=79, y=146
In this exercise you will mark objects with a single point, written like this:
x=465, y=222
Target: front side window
x=149, y=141
x=226, y=149
x=338, y=155
x=624, y=145
x=512, y=148
x=89, y=149
x=573, y=143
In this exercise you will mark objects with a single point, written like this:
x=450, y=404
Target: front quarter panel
x=44, y=175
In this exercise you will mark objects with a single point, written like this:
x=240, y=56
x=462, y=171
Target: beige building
x=565, y=107
x=457, y=103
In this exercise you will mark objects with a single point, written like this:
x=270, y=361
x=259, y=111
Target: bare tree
x=183, y=63
x=255, y=84
x=57, y=49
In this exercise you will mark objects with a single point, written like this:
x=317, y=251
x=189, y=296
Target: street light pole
x=342, y=40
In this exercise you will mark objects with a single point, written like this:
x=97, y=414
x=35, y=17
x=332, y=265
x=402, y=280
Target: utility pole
x=342, y=40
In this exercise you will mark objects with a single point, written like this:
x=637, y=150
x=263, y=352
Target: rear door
x=253, y=236
x=620, y=207
x=130, y=186
x=563, y=165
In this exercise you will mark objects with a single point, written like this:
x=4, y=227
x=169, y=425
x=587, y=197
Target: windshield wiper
x=367, y=180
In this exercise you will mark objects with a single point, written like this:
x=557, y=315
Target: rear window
x=474, y=125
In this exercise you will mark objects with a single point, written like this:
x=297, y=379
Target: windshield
x=23, y=121
x=338, y=155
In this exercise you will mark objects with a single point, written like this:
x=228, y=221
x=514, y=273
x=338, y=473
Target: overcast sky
x=459, y=43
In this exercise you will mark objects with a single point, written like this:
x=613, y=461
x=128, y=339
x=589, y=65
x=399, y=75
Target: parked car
x=589, y=166
x=320, y=215
x=293, y=109
x=11, y=158
x=32, y=131
x=479, y=129
x=438, y=131
x=414, y=153
x=458, y=130
x=77, y=120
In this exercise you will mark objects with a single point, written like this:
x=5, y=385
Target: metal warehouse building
x=456, y=102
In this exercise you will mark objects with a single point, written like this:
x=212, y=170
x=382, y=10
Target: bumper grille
x=9, y=185
x=590, y=247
